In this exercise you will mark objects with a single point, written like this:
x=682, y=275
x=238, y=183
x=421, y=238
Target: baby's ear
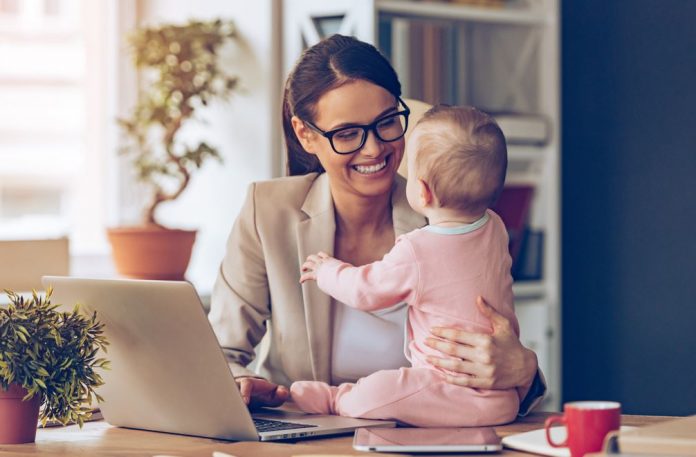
x=426, y=195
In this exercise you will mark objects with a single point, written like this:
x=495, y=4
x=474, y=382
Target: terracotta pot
x=151, y=252
x=18, y=419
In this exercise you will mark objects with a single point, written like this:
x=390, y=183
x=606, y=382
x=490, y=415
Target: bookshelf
x=512, y=13
x=503, y=58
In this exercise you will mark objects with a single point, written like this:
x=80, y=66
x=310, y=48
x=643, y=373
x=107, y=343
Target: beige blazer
x=257, y=291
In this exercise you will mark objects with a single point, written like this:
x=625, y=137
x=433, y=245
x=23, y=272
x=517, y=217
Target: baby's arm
x=311, y=265
x=369, y=287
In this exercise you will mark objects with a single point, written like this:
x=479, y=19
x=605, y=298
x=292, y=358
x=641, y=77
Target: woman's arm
x=490, y=361
x=240, y=299
x=240, y=306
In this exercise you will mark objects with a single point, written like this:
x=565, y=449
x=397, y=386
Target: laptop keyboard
x=264, y=425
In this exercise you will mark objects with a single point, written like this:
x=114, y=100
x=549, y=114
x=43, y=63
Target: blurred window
x=52, y=121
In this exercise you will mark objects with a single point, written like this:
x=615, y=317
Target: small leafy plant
x=182, y=64
x=52, y=354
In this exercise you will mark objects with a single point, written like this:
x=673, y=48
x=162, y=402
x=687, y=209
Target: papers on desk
x=672, y=437
x=535, y=441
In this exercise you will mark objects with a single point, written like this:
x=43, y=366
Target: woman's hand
x=258, y=392
x=485, y=361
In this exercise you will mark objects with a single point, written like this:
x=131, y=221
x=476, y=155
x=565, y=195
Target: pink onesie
x=439, y=272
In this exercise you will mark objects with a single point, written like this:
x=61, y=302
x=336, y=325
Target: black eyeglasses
x=346, y=140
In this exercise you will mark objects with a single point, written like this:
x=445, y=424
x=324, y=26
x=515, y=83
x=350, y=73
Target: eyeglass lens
x=352, y=138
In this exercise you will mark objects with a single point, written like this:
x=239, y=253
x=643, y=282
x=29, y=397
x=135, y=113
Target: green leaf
x=183, y=62
x=51, y=353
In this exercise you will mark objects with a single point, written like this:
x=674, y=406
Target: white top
x=364, y=343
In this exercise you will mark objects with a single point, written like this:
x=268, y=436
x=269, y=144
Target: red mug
x=587, y=423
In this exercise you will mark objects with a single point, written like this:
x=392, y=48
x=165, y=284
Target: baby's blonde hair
x=462, y=157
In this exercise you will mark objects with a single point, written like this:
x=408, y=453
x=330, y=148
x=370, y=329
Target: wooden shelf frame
x=525, y=13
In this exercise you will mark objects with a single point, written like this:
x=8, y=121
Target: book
x=513, y=208
x=673, y=437
x=529, y=263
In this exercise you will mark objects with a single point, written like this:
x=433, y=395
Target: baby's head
x=457, y=156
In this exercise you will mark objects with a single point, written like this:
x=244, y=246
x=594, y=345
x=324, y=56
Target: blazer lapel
x=314, y=234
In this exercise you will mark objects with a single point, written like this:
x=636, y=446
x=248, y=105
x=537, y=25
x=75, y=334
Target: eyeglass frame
x=366, y=128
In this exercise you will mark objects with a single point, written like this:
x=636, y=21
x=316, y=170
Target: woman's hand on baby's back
x=485, y=361
x=258, y=392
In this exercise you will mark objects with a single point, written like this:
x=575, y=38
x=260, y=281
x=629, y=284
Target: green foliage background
x=182, y=63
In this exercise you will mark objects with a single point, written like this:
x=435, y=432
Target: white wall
x=245, y=129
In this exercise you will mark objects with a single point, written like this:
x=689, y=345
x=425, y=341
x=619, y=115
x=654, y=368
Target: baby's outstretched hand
x=311, y=265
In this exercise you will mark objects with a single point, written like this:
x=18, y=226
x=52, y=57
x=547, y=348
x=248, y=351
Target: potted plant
x=47, y=365
x=181, y=62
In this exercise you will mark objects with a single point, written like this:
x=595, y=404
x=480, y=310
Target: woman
x=343, y=197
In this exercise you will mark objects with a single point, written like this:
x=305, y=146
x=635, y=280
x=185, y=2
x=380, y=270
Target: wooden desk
x=101, y=439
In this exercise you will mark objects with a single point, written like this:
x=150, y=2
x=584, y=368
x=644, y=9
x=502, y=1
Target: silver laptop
x=168, y=373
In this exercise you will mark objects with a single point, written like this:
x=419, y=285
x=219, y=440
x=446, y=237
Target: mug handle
x=547, y=427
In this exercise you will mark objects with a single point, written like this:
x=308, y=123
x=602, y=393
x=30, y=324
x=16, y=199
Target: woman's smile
x=372, y=168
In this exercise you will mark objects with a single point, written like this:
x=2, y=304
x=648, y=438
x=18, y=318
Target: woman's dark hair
x=328, y=64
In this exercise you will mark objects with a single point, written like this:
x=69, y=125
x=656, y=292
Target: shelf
x=525, y=165
x=527, y=153
x=525, y=290
x=515, y=13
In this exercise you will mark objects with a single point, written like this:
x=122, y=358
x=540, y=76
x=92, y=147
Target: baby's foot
x=312, y=397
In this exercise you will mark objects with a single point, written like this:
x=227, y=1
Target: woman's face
x=369, y=171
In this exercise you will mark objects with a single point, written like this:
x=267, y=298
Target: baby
x=457, y=159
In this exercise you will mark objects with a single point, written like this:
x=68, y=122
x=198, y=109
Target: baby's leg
x=382, y=394
x=421, y=397
x=353, y=400
x=313, y=397
x=350, y=399
x=416, y=396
